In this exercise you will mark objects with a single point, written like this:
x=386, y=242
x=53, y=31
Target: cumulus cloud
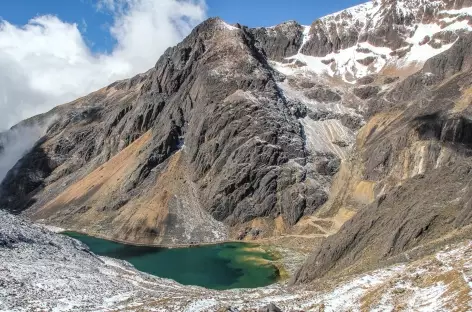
x=47, y=62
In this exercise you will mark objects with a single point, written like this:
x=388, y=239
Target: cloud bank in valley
x=47, y=62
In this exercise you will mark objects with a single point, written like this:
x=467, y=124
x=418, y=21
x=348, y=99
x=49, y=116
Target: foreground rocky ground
x=44, y=271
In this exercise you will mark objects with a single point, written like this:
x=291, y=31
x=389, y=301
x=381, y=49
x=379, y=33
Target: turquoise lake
x=223, y=266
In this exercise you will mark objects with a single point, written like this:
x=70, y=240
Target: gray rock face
x=322, y=94
x=325, y=39
x=270, y=308
x=366, y=92
x=281, y=41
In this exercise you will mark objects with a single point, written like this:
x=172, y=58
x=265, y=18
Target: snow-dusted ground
x=44, y=271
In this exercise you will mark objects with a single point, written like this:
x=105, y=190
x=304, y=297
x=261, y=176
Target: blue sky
x=93, y=23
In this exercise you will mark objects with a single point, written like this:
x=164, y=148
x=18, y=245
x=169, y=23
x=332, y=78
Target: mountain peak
x=371, y=37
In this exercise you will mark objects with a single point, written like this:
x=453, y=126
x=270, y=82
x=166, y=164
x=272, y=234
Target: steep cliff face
x=238, y=128
x=205, y=137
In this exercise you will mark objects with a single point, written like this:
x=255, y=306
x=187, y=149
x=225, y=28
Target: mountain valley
x=345, y=145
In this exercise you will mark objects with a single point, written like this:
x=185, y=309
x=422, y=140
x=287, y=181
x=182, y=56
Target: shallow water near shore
x=221, y=266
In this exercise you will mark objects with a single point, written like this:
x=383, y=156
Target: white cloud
x=46, y=62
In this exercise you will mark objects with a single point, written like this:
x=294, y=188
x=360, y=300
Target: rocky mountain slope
x=408, y=176
x=355, y=131
x=168, y=155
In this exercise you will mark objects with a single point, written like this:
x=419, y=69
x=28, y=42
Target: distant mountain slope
x=380, y=37
x=415, y=154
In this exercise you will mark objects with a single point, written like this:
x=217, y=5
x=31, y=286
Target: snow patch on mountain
x=461, y=12
x=229, y=27
x=306, y=36
x=423, y=38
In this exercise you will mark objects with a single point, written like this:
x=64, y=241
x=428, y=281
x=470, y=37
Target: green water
x=223, y=266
